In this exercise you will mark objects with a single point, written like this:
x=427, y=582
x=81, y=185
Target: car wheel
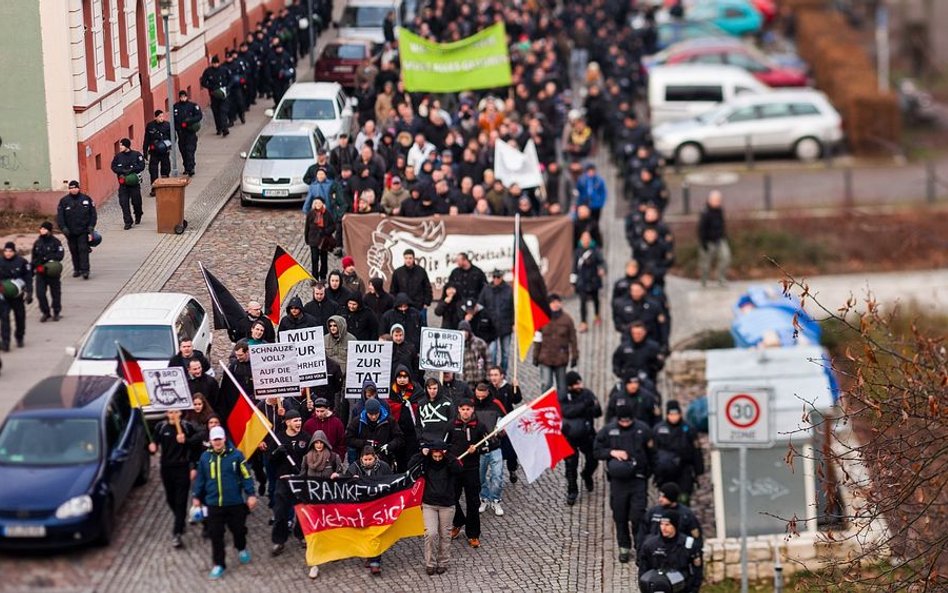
x=808, y=149
x=107, y=525
x=244, y=202
x=143, y=474
x=689, y=153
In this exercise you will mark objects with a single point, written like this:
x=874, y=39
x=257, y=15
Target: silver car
x=799, y=122
x=278, y=160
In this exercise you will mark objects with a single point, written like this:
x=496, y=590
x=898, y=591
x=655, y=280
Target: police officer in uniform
x=157, y=147
x=580, y=409
x=46, y=249
x=248, y=83
x=626, y=446
x=128, y=164
x=187, y=122
x=282, y=73
x=670, y=553
x=677, y=453
x=214, y=79
x=15, y=269
x=236, y=73
x=76, y=217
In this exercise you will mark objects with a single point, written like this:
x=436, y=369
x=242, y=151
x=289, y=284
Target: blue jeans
x=493, y=486
x=551, y=375
x=499, y=358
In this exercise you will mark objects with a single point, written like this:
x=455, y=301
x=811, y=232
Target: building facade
x=79, y=75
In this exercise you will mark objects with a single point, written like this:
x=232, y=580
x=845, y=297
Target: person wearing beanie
x=375, y=427
x=464, y=438
x=370, y=465
x=580, y=408
x=678, y=455
x=76, y=217
x=48, y=249
x=128, y=165
x=14, y=271
x=319, y=233
x=667, y=552
x=350, y=278
x=286, y=459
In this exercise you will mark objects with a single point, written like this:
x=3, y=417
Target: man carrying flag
x=285, y=272
x=131, y=372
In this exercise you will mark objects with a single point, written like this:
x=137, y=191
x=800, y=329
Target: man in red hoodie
x=323, y=419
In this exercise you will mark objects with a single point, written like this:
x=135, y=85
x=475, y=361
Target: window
x=282, y=148
x=707, y=59
x=337, y=51
x=683, y=93
x=123, y=35
x=196, y=312
x=742, y=114
x=318, y=109
x=88, y=38
x=184, y=326
x=804, y=109
x=364, y=16
x=319, y=138
x=746, y=62
x=774, y=110
x=107, y=40
x=49, y=441
x=743, y=90
x=145, y=342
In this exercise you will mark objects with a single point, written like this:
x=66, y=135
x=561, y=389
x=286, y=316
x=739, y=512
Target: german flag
x=247, y=426
x=531, y=304
x=131, y=372
x=285, y=272
x=358, y=518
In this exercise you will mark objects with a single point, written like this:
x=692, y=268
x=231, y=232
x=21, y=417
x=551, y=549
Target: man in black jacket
x=497, y=300
x=186, y=353
x=404, y=314
x=46, y=249
x=469, y=279
x=413, y=280
x=128, y=165
x=321, y=308
x=187, y=122
x=465, y=439
x=176, y=439
x=441, y=470
x=157, y=148
x=638, y=355
x=295, y=317
x=285, y=459
x=214, y=79
x=17, y=270
x=669, y=551
x=76, y=217
x=712, y=239
x=201, y=382
x=580, y=409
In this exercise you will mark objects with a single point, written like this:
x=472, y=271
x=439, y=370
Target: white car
x=365, y=18
x=801, y=122
x=278, y=160
x=149, y=325
x=322, y=103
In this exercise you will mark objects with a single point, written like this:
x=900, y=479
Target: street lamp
x=166, y=16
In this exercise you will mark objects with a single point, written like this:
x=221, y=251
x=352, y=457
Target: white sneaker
x=497, y=510
x=485, y=504
x=314, y=572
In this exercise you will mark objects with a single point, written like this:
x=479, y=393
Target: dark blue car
x=70, y=452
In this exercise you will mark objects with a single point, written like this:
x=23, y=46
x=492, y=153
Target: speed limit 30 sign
x=741, y=417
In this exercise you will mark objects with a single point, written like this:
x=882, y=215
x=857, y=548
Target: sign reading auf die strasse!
x=275, y=370
x=741, y=417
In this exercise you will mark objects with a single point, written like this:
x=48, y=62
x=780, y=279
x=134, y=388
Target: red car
x=763, y=68
x=339, y=60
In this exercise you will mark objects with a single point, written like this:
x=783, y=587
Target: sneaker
x=176, y=541
x=455, y=532
x=138, y=219
x=217, y=572
x=430, y=570
x=244, y=557
x=485, y=504
x=624, y=555
x=475, y=542
x=588, y=482
x=313, y=572
x=571, y=498
x=375, y=568
x=277, y=549
x=498, y=512
x=513, y=477
x=44, y=318
x=441, y=570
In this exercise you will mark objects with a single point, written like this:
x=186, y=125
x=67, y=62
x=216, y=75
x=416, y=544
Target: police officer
x=248, y=84
x=677, y=453
x=668, y=552
x=688, y=525
x=214, y=79
x=236, y=74
x=626, y=445
x=76, y=217
x=157, y=147
x=16, y=270
x=282, y=73
x=187, y=123
x=47, y=249
x=580, y=409
x=128, y=164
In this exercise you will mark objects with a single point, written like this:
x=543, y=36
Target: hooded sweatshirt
x=489, y=411
x=303, y=321
x=434, y=418
x=380, y=301
x=410, y=319
x=363, y=324
x=331, y=428
x=320, y=464
x=337, y=347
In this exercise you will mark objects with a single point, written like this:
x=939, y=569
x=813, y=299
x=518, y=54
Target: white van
x=364, y=19
x=683, y=91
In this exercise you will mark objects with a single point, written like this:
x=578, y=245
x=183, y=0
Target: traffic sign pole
x=742, y=477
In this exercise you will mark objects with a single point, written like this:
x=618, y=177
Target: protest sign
x=167, y=389
x=275, y=371
x=310, y=354
x=441, y=350
x=368, y=360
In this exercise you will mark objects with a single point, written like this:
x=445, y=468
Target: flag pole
x=256, y=411
x=132, y=391
x=214, y=301
x=516, y=290
x=506, y=420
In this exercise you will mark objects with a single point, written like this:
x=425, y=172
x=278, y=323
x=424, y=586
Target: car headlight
x=252, y=180
x=296, y=180
x=75, y=507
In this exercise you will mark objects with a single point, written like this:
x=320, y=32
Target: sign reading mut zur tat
x=741, y=417
x=368, y=360
x=275, y=370
x=310, y=354
x=441, y=350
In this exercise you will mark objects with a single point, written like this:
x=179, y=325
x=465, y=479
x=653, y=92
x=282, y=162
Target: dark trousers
x=584, y=299
x=282, y=514
x=320, y=259
x=79, y=250
x=55, y=290
x=572, y=466
x=234, y=518
x=159, y=160
x=219, y=109
x=468, y=483
x=177, y=483
x=19, y=316
x=628, y=499
x=509, y=453
x=235, y=102
x=130, y=198
x=187, y=146
x=259, y=472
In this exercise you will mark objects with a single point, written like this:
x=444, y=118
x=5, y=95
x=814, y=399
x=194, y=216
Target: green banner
x=153, y=40
x=480, y=61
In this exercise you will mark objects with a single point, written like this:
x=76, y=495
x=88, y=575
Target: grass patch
x=750, y=250
x=13, y=221
x=712, y=339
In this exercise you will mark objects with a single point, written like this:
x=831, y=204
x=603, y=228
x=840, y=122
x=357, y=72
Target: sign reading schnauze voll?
x=275, y=370
x=441, y=350
x=310, y=354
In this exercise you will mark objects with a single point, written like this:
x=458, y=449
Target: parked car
x=70, y=452
x=687, y=90
x=363, y=19
x=676, y=31
x=322, y=103
x=737, y=17
x=278, y=159
x=731, y=52
x=340, y=58
x=800, y=122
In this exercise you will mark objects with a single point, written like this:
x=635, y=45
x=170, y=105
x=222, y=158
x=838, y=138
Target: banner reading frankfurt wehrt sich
x=358, y=517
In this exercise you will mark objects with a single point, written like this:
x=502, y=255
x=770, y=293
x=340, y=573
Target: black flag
x=228, y=313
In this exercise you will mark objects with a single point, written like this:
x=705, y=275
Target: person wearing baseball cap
x=128, y=165
x=76, y=217
x=222, y=481
x=467, y=436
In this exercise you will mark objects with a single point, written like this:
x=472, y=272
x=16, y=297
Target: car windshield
x=145, y=342
x=49, y=441
x=321, y=109
x=336, y=51
x=282, y=148
x=365, y=16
